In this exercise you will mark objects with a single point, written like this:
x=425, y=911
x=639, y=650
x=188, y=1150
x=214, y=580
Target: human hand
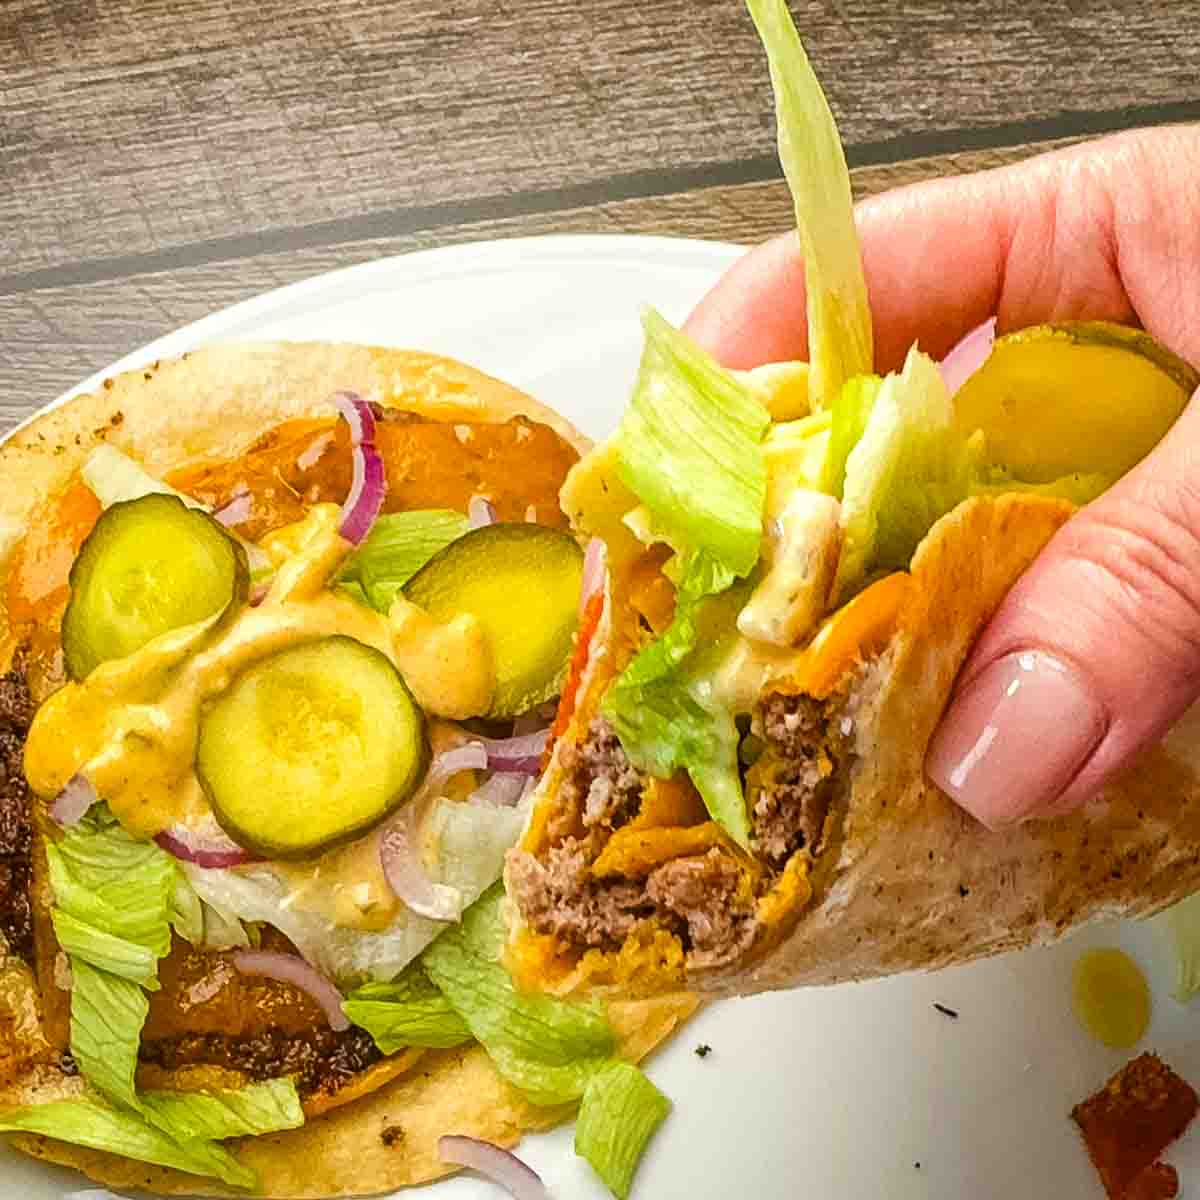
x=1096, y=651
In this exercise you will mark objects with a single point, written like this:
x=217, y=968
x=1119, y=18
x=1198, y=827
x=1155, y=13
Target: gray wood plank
x=53, y=337
x=211, y=128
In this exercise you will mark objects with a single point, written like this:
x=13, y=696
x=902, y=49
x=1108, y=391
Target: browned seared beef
x=559, y=897
x=703, y=891
x=601, y=780
x=16, y=831
x=808, y=740
x=321, y=1060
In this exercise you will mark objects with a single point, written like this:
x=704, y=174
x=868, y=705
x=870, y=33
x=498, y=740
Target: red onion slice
x=521, y=755
x=291, y=968
x=481, y=511
x=398, y=844
x=236, y=511
x=368, y=486
x=503, y=790
x=213, y=851
x=499, y=1165
x=968, y=356
x=406, y=875
x=71, y=805
x=593, y=572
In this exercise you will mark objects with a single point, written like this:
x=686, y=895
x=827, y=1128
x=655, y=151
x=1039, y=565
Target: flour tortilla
x=905, y=879
x=212, y=404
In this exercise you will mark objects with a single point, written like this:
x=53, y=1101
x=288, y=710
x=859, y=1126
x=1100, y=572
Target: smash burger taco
x=799, y=560
x=281, y=624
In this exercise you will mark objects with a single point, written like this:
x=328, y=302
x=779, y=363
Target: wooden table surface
x=161, y=159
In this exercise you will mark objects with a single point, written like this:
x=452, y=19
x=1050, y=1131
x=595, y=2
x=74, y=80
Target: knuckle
x=1143, y=547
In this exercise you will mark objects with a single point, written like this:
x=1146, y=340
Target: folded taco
x=283, y=629
x=798, y=561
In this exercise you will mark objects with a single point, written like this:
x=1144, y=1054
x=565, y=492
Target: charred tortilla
x=220, y=422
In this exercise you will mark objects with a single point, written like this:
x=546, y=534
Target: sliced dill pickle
x=521, y=582
x=311, y=747
x=1077, y=397
x=149, y=566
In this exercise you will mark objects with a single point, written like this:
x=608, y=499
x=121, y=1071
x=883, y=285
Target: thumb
x=1093, y=654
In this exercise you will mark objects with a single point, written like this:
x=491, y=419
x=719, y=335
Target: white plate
x=823, y=1093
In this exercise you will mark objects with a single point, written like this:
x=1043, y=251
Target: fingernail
x=1015, y=737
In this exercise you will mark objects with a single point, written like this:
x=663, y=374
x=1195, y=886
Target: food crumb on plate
x=703, y=1050
x=952, y=1013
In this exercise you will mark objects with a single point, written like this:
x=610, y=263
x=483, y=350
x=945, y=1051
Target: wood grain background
x=161, y=159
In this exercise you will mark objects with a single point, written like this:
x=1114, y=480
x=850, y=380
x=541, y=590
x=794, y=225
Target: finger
x=1094, y=653
x=1089, y=232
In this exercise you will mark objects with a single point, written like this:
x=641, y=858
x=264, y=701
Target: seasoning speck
x=948, y=1012
x=703, y=1050
x=392, y=1135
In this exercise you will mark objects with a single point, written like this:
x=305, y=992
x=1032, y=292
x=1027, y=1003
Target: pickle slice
x=1079, y=396
x=149, y=566
x=521, y=582
x=311, y=747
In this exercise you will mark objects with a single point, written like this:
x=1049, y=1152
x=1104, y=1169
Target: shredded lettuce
x=107, y=1015
x=851, y=411
x=257, y=1108
x=620, y=1112
x=911, y=465
x=909, y=468
x=689, y=447
x=668, y=719
x=470, y=841
x=546, y=1048
x=397, y=547
x=1180, y=925
x=87, y=1123
x=810, y=150
x=173, y=1129
x=115, y=902
x=409, y=1012
x=113, y=477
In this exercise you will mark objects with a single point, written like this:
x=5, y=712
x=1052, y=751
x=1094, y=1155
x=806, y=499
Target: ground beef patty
x=16, y=831
x=806, y=741
x=694, y=898
x=321, y=1060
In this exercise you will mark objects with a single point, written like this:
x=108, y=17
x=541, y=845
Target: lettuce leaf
x=257, y=1108
x=1180, y=925
x=471, y=843
x=667, y=718
x=620, y=1112
x=810, y=151
x=546, y=1048
x=397, y=547
x=179, y=1129
x=113, y=901
x=409, y=1012
x=87, y=1123
x=911, y=466
x=689, y=448
x=851, y=411
x=107, y=1015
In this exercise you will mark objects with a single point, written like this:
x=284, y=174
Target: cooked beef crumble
x=703, y=891
x=806, y=740
x=694, y=898
x=600, y=780
x=16, y=831
x=321, y=1060
x=559, y=896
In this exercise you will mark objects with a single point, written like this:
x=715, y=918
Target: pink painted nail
x=1015, y=737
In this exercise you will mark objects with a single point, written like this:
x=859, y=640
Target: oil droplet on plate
x=1110, y=997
